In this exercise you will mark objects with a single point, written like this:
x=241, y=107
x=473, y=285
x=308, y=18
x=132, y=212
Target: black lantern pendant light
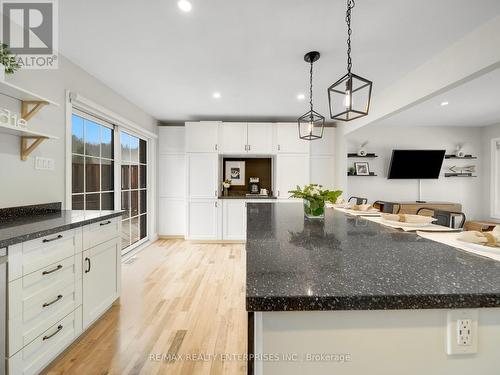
x=349, y=97
x=311, y=123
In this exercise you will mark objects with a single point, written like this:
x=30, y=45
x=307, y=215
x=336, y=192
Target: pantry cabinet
x=292, y=170
x=288, y=141
x=202, y=175
x=202, y=136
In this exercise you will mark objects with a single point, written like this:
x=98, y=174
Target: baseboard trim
x=170, y=237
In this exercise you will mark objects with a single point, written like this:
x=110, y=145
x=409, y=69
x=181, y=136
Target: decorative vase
x=314, y=209
x=226, y=191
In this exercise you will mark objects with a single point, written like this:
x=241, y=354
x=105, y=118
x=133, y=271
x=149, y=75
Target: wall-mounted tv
x=416, y=164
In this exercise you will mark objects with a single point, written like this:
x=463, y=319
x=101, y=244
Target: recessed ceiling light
x=301, y=97
x=444, y=104
x=216, y=95
x=184, y=5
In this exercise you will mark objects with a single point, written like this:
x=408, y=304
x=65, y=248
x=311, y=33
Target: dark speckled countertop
x=348, y=263
x=29, y=227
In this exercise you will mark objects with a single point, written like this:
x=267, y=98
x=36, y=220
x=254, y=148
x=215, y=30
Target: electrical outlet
x=44, y=164
x=462, y=332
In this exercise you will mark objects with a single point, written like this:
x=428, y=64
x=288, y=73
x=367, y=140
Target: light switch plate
x=462, y=331
x=44, y=164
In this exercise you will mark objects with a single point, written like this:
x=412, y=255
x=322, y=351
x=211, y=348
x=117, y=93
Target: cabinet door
x=171, y=217
x=260, y=138
x=292, y=170
x=325, y=145
x=233, y=137
x=202, y=136
x=234, y=220
x=101, y=279
x=288, y=141
x=202, y=220
x=323, y=171
x=171, y=139
x=202, y=171
x=171, y=176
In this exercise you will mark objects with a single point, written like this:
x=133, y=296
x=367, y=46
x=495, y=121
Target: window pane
x=144, y=226
x=125, y=233
x=77, y=173
x=92, y=201
x=142, y=151
x=143, y=177
x=126, y=203
x=92, y=174
x=106, y=142
x=77, y=134
x=77, y=202
x=143, y=203
x=134, y=230
x=134, y=176
x=134, y=203
x=134, y=149
x=92, y=142
x=125, y=177
x=107, y=175
x=125, y=142
x=107, y=201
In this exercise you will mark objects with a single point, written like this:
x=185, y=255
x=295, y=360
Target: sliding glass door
x=134, y=190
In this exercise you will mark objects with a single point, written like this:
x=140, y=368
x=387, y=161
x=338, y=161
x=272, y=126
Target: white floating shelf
x=19, y=93
x=20, y=132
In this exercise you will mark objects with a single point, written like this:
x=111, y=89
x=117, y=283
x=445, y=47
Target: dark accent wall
x=254, y=167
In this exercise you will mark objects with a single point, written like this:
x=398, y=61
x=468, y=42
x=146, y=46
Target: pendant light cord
x=311, y=88
x=350, y=5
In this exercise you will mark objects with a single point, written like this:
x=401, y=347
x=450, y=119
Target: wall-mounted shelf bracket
x=36, y=105
x=28, y=149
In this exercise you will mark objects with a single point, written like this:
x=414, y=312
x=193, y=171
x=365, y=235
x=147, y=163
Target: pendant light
x=311, y=123
x=349, y=97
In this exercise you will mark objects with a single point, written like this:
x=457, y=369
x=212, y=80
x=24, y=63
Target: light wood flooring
x=177, y=298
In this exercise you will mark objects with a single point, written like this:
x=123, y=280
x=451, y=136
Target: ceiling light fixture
x=443, y=104
x=311, y=123
x=184, y=5
x=301, y=97
x=216, y=95
x=349, y=97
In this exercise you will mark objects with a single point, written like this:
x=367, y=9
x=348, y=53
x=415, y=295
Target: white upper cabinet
x=171, y=139
x=323, y=171
x=325, y=145
x=288, y=141
x=202, y=136
x=233, y=137
x=292, y=170
x=202, y=172
x=260, y=138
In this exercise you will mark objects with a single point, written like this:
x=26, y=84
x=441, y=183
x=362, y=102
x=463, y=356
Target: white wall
x=21, y=184
x=488, y=133
x=382, y=140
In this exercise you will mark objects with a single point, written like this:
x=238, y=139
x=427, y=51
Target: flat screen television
x=416, y=164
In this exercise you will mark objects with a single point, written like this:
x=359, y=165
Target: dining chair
x=444, y=218
x=387, y=207
x=358, y=200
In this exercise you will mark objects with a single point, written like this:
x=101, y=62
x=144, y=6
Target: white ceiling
x=474, y=103
x=169, y=63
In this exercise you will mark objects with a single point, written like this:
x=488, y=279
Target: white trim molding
x=495, y=178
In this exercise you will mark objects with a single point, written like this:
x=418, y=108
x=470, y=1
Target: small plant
x=352, y=171
x=227, y=183
x=314, y=198
x=8, y=60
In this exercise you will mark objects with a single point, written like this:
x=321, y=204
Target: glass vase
x=314, y=209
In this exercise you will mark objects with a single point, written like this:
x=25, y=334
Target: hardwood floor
x=178, y=298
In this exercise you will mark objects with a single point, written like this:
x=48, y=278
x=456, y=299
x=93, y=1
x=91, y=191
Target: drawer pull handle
x=88, y=265
x=59, y=266
x=52, y=239
x=47, y=304
x=59, y=328
x=106, y=223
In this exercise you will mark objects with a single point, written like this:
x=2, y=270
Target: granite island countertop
x=349, y=263
x=25, y=228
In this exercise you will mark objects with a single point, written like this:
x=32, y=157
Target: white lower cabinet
x=101, y=281
x=172, y=216
x=203, y=220
x=60, y=284
x=234, y=219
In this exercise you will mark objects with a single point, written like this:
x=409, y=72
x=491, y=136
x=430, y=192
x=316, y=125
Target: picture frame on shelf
x=235, y=171
x=362, y=168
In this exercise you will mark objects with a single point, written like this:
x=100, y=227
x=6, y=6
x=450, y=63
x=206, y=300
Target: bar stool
x=444, y=218
x=358, y=200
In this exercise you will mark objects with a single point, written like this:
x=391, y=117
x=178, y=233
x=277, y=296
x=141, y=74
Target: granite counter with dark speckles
x=29, y=227
x=348, y=263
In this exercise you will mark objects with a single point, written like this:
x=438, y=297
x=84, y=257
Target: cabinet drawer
x=44, y=348
x=98, y=233
x=39, y=300
x=36, y=254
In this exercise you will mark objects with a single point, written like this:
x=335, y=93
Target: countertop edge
x=386, y=302
x=60, y=228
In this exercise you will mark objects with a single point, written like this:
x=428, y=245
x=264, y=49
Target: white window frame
x=75, y=101
x=495, y=178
